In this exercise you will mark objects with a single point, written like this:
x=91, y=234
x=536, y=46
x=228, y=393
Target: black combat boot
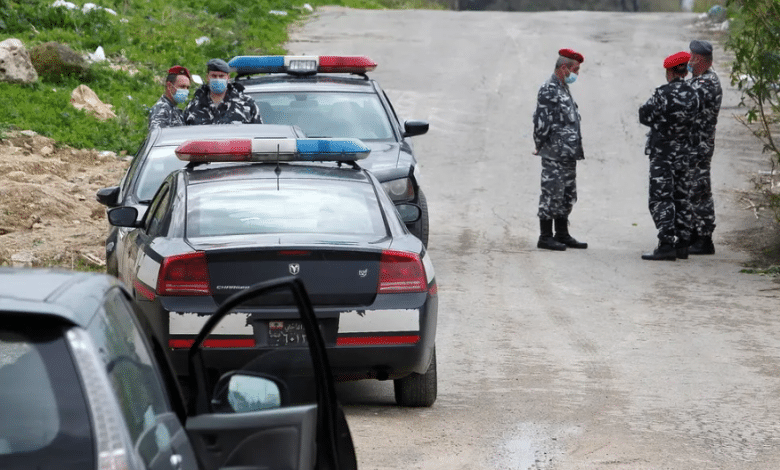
x=682, y=249
x=546, y=239
x=664, y=252
x=702, y=246
x=562, y=234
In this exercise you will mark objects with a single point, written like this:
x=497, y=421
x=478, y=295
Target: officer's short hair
x=681, y=70
x=564, y=61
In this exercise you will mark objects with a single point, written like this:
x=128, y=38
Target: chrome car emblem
x=362, y=272
x=295, y=268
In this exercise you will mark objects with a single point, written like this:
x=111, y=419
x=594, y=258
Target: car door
x=149, y=415
x=132, y=257
x=304, y=429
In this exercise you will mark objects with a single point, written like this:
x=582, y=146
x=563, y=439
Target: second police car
x=332, y=96
x=286, y=206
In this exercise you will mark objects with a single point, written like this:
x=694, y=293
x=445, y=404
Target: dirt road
x=587, y=359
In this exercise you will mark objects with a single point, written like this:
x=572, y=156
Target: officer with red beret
x=559, y=144
x=670, y=113
x=165, y=112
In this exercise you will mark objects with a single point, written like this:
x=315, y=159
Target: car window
x=354, y=115
x=135, y=164
x=160, y=163
x=130, y=368
x=43, y=412
x=157, y=212
x=294, y=206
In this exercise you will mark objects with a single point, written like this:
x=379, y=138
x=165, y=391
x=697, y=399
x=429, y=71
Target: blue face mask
x=571, y=78
x=181, y=95
x=218, y=85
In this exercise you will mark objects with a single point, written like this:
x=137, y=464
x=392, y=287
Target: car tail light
x=401, y=272
x=112, y=443
x=184, y=275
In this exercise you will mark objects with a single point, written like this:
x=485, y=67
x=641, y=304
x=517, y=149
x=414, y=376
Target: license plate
x=286, y=333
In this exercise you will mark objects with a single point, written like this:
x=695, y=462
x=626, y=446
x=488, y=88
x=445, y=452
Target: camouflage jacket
x=557, y=122
x=710, y=95
x=670, y=113
x=235, y=107
x=164, y=113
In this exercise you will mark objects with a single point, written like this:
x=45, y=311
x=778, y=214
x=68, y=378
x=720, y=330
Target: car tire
x=420, y=228
x=417, y=390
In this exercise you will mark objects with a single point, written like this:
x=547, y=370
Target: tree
x=755, y=40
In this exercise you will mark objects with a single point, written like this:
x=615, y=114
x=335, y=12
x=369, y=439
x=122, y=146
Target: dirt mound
x=48, y=212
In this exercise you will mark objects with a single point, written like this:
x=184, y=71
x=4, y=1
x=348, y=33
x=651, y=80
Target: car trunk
x=332, y=275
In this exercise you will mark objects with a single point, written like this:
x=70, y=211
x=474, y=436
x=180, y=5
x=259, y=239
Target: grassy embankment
x=141, y=42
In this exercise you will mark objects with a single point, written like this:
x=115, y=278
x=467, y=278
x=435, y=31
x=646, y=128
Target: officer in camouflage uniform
x=559, y=144
x=670, y=113
x=220, y=102
x=705, y=81
x=165, y=112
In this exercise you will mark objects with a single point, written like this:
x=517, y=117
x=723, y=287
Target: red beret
x=179, y=70
x=568, y=53
x=676, y=59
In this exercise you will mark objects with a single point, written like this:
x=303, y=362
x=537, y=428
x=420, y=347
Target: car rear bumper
x=353, y=354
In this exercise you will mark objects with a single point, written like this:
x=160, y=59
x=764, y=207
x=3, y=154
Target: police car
x=332, y=96
x=156, y=159
x=244, y=210
x=84, y=386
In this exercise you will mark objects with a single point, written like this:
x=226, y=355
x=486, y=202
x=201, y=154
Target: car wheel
x=417, y=390
x=420, y=228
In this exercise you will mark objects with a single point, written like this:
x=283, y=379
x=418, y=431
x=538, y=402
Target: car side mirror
x=125, y=216
x=410, y=213
x=413, y=128
x=108, y=196
x=243, y=393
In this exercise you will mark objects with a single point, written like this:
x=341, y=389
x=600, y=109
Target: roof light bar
x=272, y=150
x=246, y=65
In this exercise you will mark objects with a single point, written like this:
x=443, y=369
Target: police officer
x=165, y=112
x=221, y=102
x=670, y=113
x=705, y=81
x=559, y=144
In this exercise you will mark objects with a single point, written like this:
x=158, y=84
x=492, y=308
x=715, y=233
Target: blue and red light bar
x=272, y=150
x=298, y=64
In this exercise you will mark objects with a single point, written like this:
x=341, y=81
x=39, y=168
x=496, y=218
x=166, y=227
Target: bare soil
x=48, y=212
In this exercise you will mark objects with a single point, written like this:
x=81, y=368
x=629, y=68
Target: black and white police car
x=332, y=96
x=286, y=206
x=84, y=385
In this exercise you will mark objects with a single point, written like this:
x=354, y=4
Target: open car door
x=280, y=411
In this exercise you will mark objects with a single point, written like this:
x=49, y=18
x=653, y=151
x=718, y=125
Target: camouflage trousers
x=669, y=199
x=559, y=188
x=701, y=189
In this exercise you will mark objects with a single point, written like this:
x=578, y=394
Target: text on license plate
x=286, y=333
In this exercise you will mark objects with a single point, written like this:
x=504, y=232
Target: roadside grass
x=141, y=42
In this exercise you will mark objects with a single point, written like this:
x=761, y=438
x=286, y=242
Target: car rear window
x=43, y=414
x=330, y=114
x=284, y=207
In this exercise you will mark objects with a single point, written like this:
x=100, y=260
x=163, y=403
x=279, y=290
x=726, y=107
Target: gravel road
x=587, y=359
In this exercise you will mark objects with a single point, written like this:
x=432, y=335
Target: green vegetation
x=755, y=41
x=772, y=271
x=141, y=41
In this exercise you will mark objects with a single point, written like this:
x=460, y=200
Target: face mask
x=571, y=78
x=181, y=95
x=690, y=68
x=218, y=85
